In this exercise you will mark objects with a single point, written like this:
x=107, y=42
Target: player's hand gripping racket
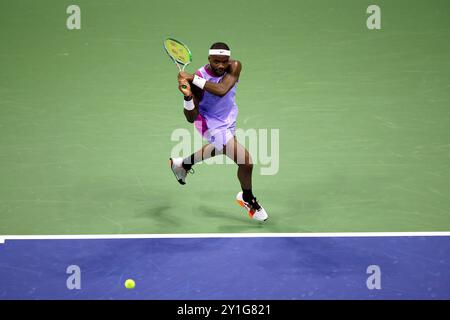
x=179, y=53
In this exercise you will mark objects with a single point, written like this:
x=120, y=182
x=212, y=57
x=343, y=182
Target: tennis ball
x=130, y=284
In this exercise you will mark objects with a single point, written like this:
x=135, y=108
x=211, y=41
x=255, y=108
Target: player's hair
x=220, y=45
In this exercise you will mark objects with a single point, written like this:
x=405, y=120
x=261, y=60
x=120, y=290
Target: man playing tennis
x=209, y=103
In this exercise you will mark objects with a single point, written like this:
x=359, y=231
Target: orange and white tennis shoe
x=254, y=209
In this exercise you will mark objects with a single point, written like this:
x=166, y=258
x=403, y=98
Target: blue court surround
x=228, y=268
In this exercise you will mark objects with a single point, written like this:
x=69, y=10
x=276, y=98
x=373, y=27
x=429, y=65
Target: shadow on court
x=161, y=214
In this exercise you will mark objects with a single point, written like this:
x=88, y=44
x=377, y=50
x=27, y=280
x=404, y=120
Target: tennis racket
x=178, y=52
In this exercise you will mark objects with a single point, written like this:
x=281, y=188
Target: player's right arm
x=185, y=88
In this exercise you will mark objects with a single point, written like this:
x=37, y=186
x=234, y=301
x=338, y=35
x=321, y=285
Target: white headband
x=219, y=52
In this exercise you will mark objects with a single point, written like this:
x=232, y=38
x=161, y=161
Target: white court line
x=226, y=235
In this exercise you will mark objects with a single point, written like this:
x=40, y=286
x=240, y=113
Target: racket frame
x=176, y=61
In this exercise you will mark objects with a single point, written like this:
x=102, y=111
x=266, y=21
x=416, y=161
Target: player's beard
x=219, y=72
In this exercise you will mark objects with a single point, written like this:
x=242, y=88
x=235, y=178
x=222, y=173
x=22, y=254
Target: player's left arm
x=228, y=81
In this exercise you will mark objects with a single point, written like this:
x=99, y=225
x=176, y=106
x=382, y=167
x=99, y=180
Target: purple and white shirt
x=217, y=115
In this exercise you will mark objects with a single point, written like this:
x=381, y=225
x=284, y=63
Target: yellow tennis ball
x=130, y=284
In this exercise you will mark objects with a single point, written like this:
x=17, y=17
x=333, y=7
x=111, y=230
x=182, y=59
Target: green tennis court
x=86, y=116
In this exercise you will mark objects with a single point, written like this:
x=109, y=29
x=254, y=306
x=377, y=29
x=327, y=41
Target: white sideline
x=3, y=238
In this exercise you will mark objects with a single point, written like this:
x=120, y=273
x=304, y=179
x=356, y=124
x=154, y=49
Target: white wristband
x=189, y=105
x=199, y=82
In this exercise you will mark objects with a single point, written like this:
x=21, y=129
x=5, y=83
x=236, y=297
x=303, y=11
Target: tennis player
x=209, y=103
